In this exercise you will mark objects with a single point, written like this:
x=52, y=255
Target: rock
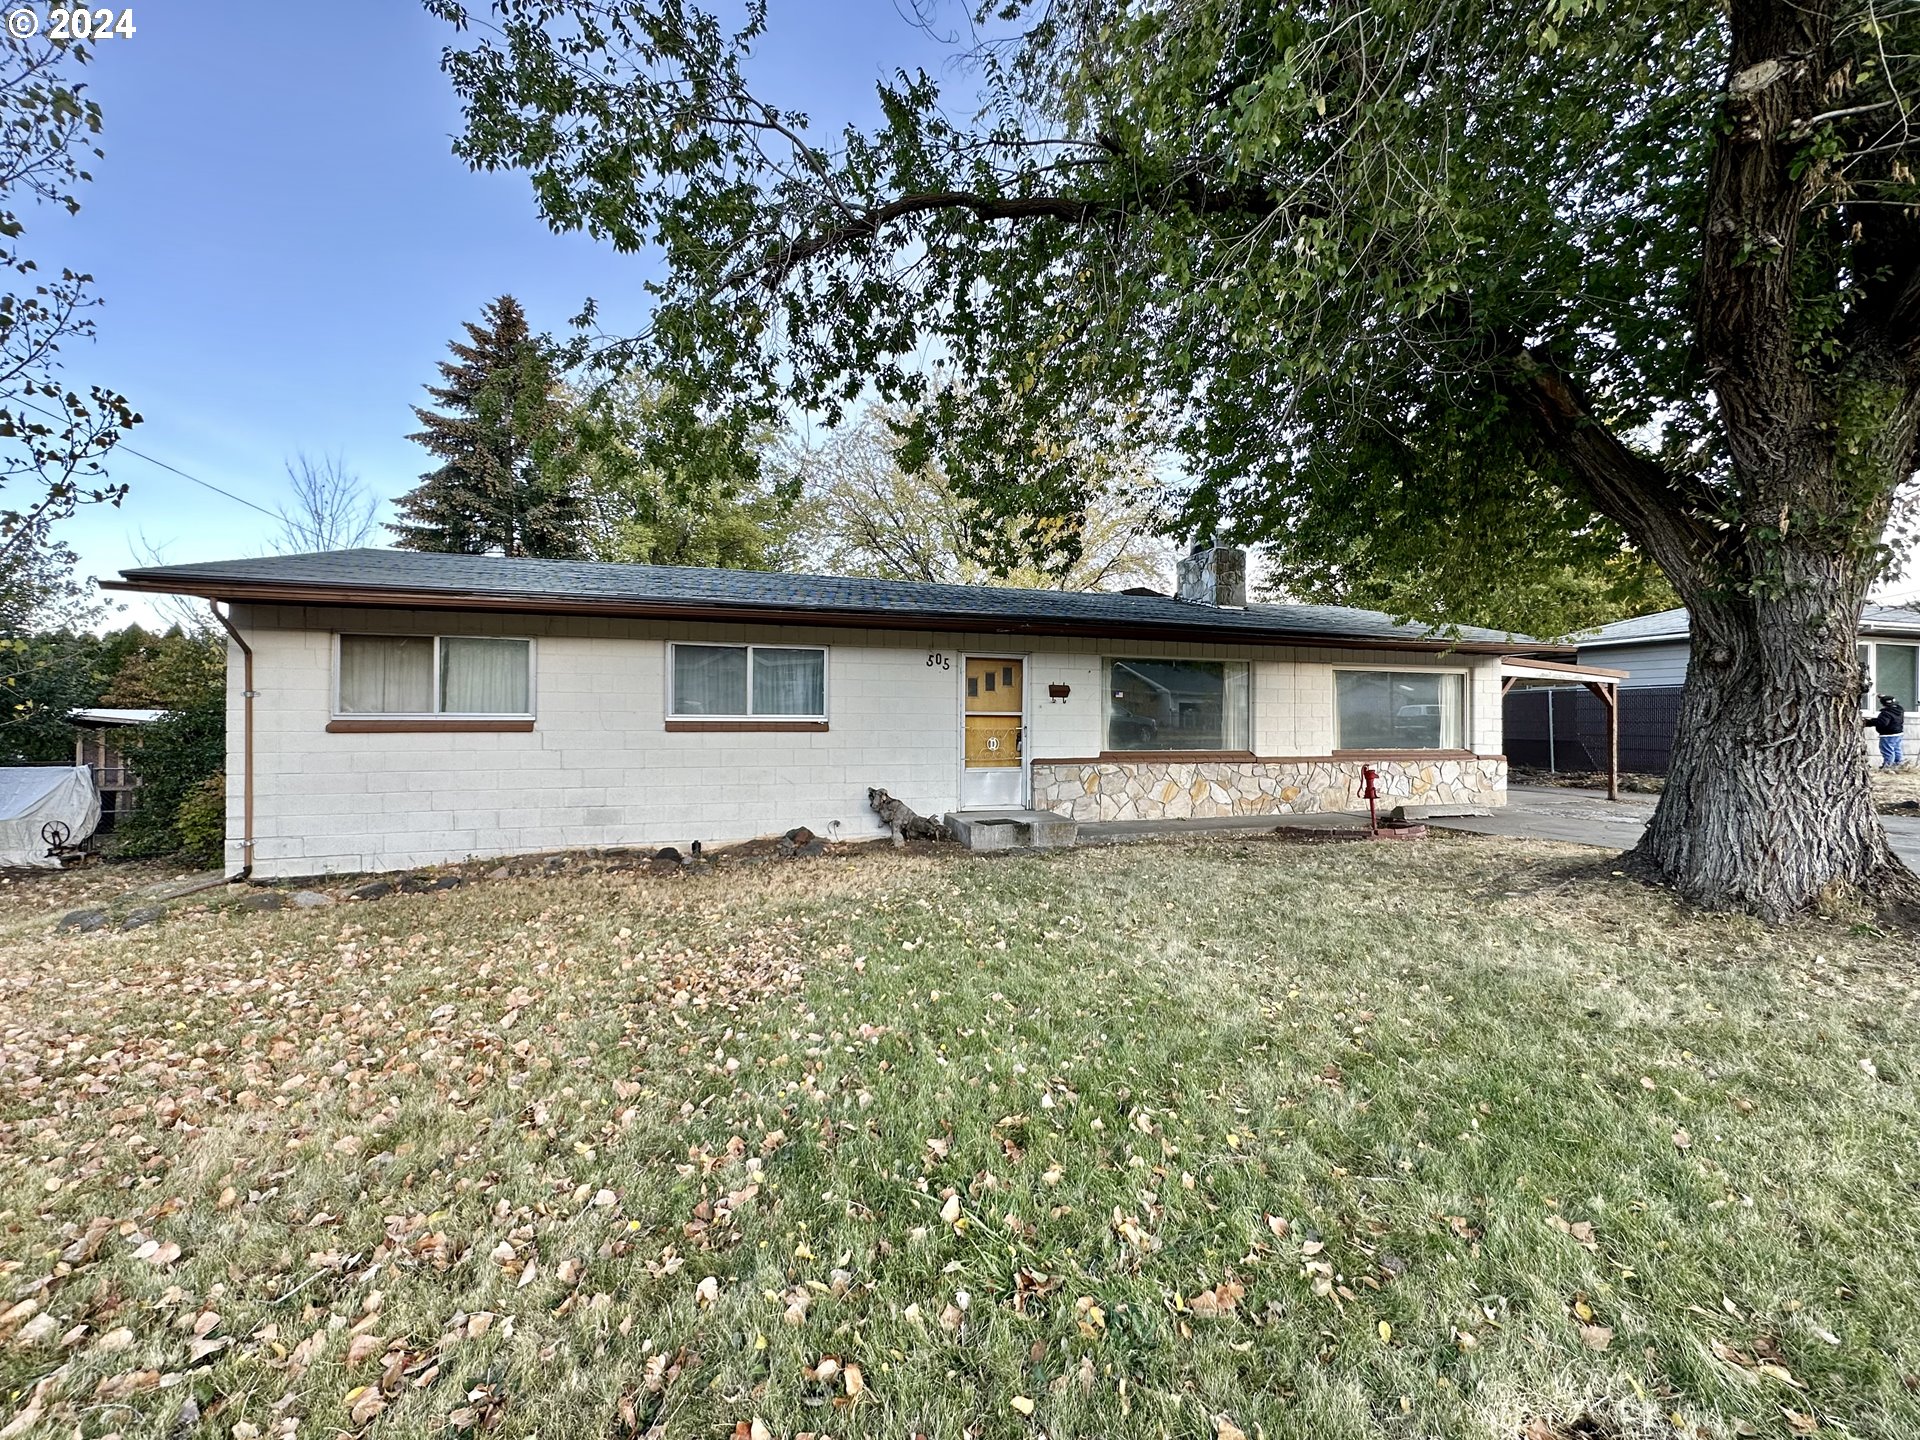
x=810, y=848
x=555, y=863
x=141, y=918
x=311, y=900
x=372, y=890
x=428, y=884
x=499, y=872
x=799, y=835
x=265, y=900
x=667, y=852
x=81, y=921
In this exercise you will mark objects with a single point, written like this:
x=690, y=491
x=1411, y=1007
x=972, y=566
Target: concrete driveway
x=1587, y=817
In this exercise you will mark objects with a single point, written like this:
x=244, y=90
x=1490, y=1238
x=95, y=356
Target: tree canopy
x=863, y=512
x=663, y=486
x=1219, y=228
x=54, y=435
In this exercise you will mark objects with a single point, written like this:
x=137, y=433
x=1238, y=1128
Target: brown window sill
x=1242, y=757
x=1405, y=755
x=1176, y=757
x=1108, y=757
x=449, y=726
x=760, y=727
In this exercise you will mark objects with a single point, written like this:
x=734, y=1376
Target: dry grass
x=1898, y=785
x=1458, y=1139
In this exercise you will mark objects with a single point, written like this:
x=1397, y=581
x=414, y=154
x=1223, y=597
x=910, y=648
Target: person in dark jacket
x=1891, y=725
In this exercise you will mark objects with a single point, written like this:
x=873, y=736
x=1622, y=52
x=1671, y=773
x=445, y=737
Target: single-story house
x=1559, y=728
x=391, y=709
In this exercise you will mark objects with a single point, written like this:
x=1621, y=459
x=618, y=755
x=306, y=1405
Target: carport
x=1603, y=683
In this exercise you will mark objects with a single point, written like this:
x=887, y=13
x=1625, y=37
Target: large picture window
x=1399, y=710
x=419, y=675
x=1894, y=673
x=742, y=682
x=1177, y=705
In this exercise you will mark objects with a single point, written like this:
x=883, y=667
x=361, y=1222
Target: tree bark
x=1768, y=806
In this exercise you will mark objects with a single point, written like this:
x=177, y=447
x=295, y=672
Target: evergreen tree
x=508, y=482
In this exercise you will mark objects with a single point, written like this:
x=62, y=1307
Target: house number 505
x=935, y=660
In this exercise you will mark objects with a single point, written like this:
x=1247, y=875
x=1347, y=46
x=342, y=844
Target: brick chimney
x=1214, y=574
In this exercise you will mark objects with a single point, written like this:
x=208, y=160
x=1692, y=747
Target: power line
x=151, y=460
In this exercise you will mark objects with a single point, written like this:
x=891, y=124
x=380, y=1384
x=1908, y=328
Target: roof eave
x=1662, y=639
x=374, y=597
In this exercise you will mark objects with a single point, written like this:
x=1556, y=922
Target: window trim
x=1224, y=752
x=1442, y=752
x=350, y=722
x=1869, y=698
x=677, y=721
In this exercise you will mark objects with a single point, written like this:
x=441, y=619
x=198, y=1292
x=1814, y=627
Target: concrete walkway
x=1587, y=817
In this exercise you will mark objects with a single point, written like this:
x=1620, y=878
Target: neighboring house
x=1654, y=650
x=97, y=745
x=410, y=709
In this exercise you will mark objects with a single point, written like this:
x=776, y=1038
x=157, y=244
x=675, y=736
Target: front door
x=993, y=772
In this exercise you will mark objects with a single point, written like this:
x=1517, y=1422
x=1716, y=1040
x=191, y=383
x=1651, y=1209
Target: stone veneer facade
x=1148, y=789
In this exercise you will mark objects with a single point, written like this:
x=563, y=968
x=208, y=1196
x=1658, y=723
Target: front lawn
x=1457, y=1139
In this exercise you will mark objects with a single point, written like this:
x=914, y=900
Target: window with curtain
x=1177, y=705
x=1894, y=671
x=735, y=682
x=435, y=675
x=1399, y=710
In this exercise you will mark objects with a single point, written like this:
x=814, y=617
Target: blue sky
x=285, y=243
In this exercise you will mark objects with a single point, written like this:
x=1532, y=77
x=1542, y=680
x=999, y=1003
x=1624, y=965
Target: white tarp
x=34, y=797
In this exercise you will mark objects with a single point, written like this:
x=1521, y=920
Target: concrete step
x=1012, y=830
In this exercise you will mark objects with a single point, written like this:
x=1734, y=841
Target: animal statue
x=901, y=820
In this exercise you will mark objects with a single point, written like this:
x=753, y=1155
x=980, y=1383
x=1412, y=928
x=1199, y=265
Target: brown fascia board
x=261, y=593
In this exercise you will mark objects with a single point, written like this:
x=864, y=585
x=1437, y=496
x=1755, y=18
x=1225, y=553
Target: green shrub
x=201, y=821
x=172, y=757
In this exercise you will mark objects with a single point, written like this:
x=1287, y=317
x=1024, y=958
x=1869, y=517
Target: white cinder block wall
x=600, y=768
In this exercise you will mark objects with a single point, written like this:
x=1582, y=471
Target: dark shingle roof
x=493, y=582
x=1673, y=625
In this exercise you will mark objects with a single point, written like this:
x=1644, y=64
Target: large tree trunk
x=1768, y=807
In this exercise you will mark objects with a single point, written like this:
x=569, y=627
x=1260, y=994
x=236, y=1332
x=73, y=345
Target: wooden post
x=1613, y=741
x=1609, y=696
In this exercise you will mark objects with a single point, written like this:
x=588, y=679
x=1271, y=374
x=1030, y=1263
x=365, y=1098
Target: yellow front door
x=995, y=727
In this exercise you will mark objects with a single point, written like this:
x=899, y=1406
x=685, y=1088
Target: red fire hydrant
x=1370, y=788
